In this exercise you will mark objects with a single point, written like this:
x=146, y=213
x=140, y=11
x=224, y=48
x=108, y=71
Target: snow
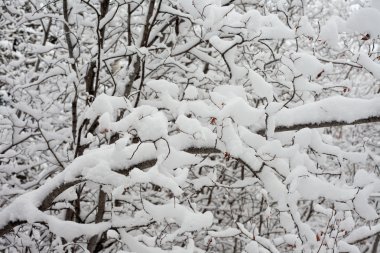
x=273, y=28
x=363, y=178
x=108, y=17
x=152, y=127
x=231, y=91
x=66, y=229
x=329, y=33
x=223, y=45
x=112, y=234
x=252, y=247
x=29, y=110
x=361, y=202
x=135, y=246
x=375, y=4
x=105, y=103
x=105, y=122
x=369, y=64
x=253, y=20
x=191, y=93
x=225, y=233
x=289, y=239
x=348, y=224
x=309, y=66
x=274, y=186
x=329, y=109
x=201, y=182
x=71, y=230
x=249, y=181
x=102, y=174
x=241, y=113
x=312, y=188
x=269, y=27
x=162, y=86
x=365, y=21
x=305, y=28
x=187, y=219
x=191, y=7
x=190, y=126
x=361, y=233
x=260, y=87
x=267, y=244
x=180, y=48
x=345, y=247
x=214, y=14
x=198, y=162
x=235, y=111
x=154, y=176
x=178, y=159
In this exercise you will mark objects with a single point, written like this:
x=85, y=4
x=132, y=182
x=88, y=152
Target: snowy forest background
x=189, y=126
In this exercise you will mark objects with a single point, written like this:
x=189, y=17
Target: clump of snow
x=225, y=233
x=208, y=180
x=103, y=174
x=260, y=86
x=154, y=176
x=329, y=33
x=112, y=234
x=191, y=93
x=152, y=127
x=363, y=178
x=365, y=20
x=369, y=64
x=240, y=111
x=163, y=86
x=187, y=219
x=231, y=91
x=71, y=230
x=309, y=65
x=305, y=28
x=190, y=126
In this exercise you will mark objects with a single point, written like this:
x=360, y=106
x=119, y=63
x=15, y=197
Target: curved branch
x=45, y=204
x=48, y=200
x=324, y=113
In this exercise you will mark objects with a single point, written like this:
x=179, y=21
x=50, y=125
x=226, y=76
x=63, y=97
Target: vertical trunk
x=70, y=49
x=143, y=42
x=98, y=218
x=92, y=75
x=375, y=244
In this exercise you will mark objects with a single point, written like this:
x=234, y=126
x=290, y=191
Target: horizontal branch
x=323, y=124
x=329, y=112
